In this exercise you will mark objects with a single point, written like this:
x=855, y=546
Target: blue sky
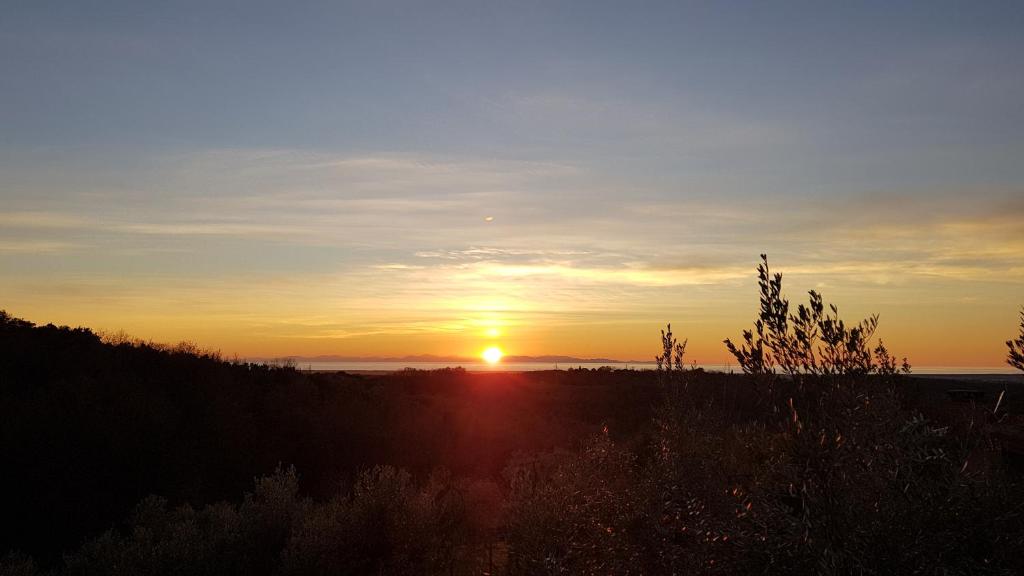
x=316, y=174
x=576, y=81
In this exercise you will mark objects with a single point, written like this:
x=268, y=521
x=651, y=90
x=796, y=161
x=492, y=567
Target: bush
x=820, y=478
x=385, y=525
x=812, y=341
x=575, y=514
x=1015, y=355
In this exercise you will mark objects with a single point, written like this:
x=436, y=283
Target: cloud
x=310, y=247
x=623, y=275
x=184, y=228
x=36, y=247
x=41, y=219
x=557, y=220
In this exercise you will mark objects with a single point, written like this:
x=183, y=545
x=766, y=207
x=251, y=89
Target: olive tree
x=1015, y=355
x=813, y=340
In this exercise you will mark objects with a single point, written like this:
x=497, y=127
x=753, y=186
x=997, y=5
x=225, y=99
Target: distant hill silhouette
x=449, y=359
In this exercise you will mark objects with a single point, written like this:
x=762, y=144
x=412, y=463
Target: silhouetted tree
x=670, y=361
x=813, y=341
x=1015, y=355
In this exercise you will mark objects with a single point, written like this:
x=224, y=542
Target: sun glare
x=493, y=355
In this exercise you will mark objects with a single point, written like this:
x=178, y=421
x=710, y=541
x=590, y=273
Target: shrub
x=813, y=341
x=824, y=479
x=670, y=361
x=1015, y=355
x=15, y=564
x=386, y=525
x=576, y=513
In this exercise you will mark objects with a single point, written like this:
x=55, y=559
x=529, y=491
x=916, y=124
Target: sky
x=390, y=178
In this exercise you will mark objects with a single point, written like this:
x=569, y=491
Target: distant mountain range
x=454, y=359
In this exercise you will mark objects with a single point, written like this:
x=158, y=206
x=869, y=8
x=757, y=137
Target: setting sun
x=493, y=355
x=286, y=247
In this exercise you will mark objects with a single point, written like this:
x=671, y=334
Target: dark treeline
x=607, y=471
x=89, y=428
x=124, y=457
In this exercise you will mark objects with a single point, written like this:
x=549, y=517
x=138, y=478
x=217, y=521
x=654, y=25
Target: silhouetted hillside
x=88, y=429
x=130, y=458
x=427, y=358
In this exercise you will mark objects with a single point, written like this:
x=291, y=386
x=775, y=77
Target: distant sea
x=535, y=366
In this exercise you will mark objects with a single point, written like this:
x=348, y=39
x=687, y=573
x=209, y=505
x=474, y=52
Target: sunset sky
x=384, y=178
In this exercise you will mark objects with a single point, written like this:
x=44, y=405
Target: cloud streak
x=299, y=249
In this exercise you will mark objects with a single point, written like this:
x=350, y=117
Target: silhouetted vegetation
x=90, y=428
x=826, y=481
x=1015, y=356
x=813, y=341
x=125, y=457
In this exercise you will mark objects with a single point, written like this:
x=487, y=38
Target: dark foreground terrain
x=123, y=457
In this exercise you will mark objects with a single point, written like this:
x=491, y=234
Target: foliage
x=90, y=426
x=833, y=480
x=574, y=514
x=385, y=525
x=1015, y=355
x=812, y=341
x=672, y=373
x=605, y=471
x=671, y=358
x=817, y=478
